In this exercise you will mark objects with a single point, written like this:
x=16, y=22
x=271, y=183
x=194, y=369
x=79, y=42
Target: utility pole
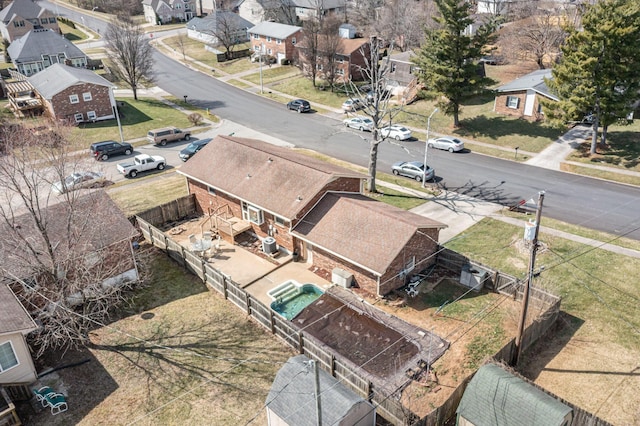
x=317, y=392
x=525, y=296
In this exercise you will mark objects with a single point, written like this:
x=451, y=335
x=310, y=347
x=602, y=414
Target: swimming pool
x=291, y=297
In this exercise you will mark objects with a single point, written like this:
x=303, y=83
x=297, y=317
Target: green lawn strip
x=301, y=87
x=192, y=108
x=601, y=174
x=395, y=198
x=157, y=191
x=72, y=34
x=196, y=50
x=238, y=83
x=270, y=75
x=138, y=117
x=593, y=283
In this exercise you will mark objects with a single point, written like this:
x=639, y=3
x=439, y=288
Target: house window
x=340, y=71
x=74, y=99
x=319, y=67
x=78, y=117
x=86, y=96
x=280, y=221
x=52, y=20
x=269, y=51
x=268, y=38
x=8, y=357
x=293, y=40
x=91, y=115
x=340, y=60
x=256, y=48
x=18, y=23
x=256, y=36
x=411, y=264
x=412, y=69
x=44, y=21
x=278, y=41
x=513, y=102
x=252, y=213
x=211, y=190
x=540, y=111
x=393, y=67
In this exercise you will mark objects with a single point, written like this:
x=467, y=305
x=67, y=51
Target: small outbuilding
x=521, y=97
x=292, y=400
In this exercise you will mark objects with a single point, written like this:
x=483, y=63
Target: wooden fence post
x=224, y=287
x=301, y=343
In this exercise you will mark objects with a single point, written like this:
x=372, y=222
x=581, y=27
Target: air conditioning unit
x=269, y=245
x=341, y=277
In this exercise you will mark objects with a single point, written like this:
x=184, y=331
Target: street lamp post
x=260, y=59
x=117, y=114
x=426, y=145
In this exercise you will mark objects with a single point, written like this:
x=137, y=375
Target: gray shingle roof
x=13, y=316
x=534, y=81
x=58, y=77
x=31, y=46
x=324, y=4
x=498, y=398
x=274, y=29
x=292, y=396
x=337, y=218
x=23, y=8
x=211, y=22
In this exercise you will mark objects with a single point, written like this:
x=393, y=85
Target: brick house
x=277, y=40
x=39, y=49
x=74, y=94
x=159, y=12
x=521, y=97
x=21, y=16
x=312, y=208
x=349, y=60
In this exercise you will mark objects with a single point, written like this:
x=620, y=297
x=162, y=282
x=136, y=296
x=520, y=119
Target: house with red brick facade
x=74, y=94
x=349, y=58
x=277, y=40
x=521, y=97
x=312, y=208
x=21, y=16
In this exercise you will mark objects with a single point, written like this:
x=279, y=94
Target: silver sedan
x=413, y=169
x=447, y=143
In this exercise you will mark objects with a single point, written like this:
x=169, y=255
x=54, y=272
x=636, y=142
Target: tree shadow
x=484, y=191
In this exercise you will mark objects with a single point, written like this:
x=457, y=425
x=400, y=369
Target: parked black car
x=192, y=148
x=104, y=150
x=299, y=105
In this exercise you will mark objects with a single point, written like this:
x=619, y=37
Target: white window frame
x=280, y=221
x=293, y=40
x=13, y=351
x=86, y=96
x=248, y=212
x=511, y=100
x=74, y=99
x=278, y=41
x=268, y=38
x=256, y=36
x=340, y=71
x=269, y=52
x=211, y=191
x=78, y=116
x=91, y=115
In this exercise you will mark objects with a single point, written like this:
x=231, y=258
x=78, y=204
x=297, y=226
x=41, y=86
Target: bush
x=195, y=118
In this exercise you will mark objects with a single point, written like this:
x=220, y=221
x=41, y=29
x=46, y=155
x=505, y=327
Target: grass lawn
x=273, y=74
x=399, y=199
x=70, y=33
x=156, y=365
x=301, y=87
x=138, y=117
x=157, y=191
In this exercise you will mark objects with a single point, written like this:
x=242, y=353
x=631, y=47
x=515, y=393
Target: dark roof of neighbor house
x=104, y=226
x=31, y=46
x=157, y=5
x=534, y=81
x=57, y=77
x=403, y=57
x=361, y=230
x=274, y=29
x=496, y=397
x=226, y=20
x=292, y=395
x=24, y=8
x=274, y=178
x=14, y=317
x=313, y=4
x=346, y=46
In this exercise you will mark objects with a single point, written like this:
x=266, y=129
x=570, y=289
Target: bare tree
x=53, y=248
x=309, y=48
x=401, y=22
x=282, y=11
x=227, y=31
x=329, y=43
x=181, y=42
x=131, y=52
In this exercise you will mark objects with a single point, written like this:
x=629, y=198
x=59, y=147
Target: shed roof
x=57, y=77
x=24, y=8
x=13, y=317
x=366, y=232
x=292, y=395
x=274, y=29
x=534, y=81
x=496, y=397
x=273, y=178
x=31, y=46
x=225, y=20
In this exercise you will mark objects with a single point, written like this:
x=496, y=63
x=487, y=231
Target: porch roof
x=13, y=317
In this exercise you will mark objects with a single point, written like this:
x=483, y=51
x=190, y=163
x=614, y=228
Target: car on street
x=104, y=150
x=299, y=105
x=351, y=105
x=192, y=148
x=413, y=169
x=360, y=123
x=77, y=180
x=447, y=143
x=397, y=132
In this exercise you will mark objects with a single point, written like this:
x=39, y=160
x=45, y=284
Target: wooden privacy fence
x=332, y=362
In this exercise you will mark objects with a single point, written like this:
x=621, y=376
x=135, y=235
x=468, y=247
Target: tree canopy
x=448, y=57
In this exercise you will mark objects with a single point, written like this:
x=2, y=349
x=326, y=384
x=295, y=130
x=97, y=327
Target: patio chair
x=42, y=393
x=57, y=403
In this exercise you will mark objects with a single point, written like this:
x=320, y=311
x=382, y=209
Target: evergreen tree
x=448, y=57
x=599, y=72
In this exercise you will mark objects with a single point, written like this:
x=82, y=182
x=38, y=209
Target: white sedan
x=447, y=143
x=399, y=133
x=360, y=123
x=79, y=180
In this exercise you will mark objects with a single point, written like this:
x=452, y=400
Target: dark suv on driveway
x=104, y=150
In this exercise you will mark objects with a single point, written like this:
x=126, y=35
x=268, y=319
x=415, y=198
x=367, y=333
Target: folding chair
x=57, y=402
x=41, y=394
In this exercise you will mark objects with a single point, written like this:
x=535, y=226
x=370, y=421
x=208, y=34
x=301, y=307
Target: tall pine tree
x=448, y=57
x=599, y=71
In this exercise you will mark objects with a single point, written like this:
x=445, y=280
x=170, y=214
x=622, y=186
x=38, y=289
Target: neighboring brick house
x=22, y=16
x=39, y=49
x=277, y=40
x=228, y=25
x=74, y=94
x=159, y=12
x=312, y=208
x=16, y=365
x=521, y=97
x=350, y=59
